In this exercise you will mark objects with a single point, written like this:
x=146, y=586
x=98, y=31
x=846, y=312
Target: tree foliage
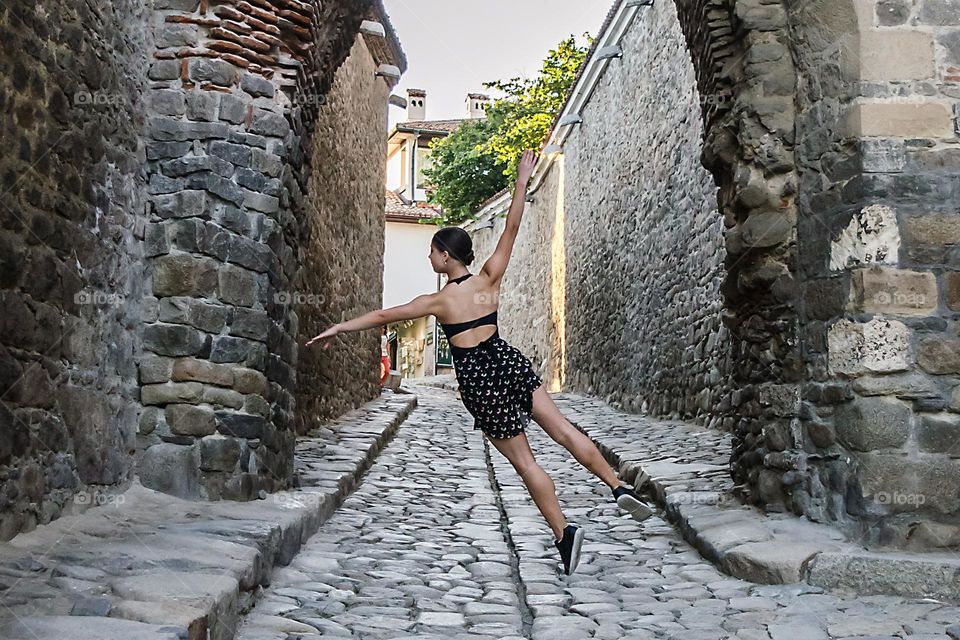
x=480, y=158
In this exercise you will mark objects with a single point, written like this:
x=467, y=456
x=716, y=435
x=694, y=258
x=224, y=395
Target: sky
x=453, y=46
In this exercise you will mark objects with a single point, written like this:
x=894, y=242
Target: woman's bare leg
x=548, y=416
x=539, y=484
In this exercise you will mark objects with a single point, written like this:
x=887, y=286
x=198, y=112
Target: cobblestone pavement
x=442, y=541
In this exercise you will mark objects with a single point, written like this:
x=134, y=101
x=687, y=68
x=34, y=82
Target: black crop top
x=454, y=328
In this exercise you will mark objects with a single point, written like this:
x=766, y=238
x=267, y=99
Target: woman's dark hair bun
x=456, y=242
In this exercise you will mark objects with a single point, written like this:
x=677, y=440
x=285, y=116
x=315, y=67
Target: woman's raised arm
x=496, y=264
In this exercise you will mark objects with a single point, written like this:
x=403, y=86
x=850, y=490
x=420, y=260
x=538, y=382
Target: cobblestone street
x=442, y=541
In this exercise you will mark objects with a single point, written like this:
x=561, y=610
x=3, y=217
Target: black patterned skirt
x=496, y=385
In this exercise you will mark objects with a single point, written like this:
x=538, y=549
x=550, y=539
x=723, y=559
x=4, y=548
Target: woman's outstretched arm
x=420, y=306
x=496, y=264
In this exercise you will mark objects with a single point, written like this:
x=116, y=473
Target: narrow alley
x=441, y=540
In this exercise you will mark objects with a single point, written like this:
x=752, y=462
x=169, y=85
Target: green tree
x=480, y=158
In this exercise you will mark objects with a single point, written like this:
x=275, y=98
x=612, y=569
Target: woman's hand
x=525, y=169
x=326, y=337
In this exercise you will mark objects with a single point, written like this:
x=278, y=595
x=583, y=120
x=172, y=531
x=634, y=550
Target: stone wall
x=830, y=129
x=238, y=90
x=615, y=279
x=879, y=212
x=153, y=212
x=343, y=242
x=71, y=218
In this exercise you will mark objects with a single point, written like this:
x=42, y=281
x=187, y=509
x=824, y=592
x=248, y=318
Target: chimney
x=416, y=104
x=475, y=105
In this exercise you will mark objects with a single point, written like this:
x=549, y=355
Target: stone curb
x=157, y=566
x=745, y=542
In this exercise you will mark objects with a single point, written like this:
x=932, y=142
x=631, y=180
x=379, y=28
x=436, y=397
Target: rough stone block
x=903, y=485
x=165, y=128
x=250, y=381
x=219, y=453
x=240, y=425
x=236, y=154
x=951, y=290
x=878, y=346
x=212, y=70
x=238, y=286
x=171, y=468
x=222, y=397
x=940, y=433
x=892, y=55
x=893, y=291
x=203, y=105
x=154, y=369
x=167, y=102
x=191, y=369
x=171, y=392
x=173, y=340
x=210, y=318
x=928, y=237
x=268, y=123
x=182, y=274
x=256, y=85
x=939, y=354
x=190, y=420
x=941, y=13
x=866, y=424
x=231, y=349
x=182, y=204
x=921, y=120
x=871, y=237
x=250, y=323
x=913, y=384
x=233, y=109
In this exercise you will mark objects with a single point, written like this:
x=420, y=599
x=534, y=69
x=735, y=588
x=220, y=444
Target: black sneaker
x=569, y=547
x=628, y=500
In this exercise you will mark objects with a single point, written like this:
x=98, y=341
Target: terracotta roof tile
x=397, y=207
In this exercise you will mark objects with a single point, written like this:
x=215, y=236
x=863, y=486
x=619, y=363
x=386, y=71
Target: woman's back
x=466, y=299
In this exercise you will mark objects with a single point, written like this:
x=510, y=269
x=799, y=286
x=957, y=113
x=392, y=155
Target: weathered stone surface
x=913, y=384
x=189, y=392
x=184, y=275
x=240, y=425
x=171, y=468
x=219, y=453
x=173, y=340
x=191, y=369
x=939, y=433
x=939, y=355
x=866, y=424
x=878, y=346
x=893, y=291
x=190, y=420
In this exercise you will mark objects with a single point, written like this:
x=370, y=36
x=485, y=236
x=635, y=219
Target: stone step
x=687, y=469
x=152, y=565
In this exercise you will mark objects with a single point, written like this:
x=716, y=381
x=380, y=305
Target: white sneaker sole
x=637, y=510
x=575, y=551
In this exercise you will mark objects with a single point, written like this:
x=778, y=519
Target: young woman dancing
x=498, y=385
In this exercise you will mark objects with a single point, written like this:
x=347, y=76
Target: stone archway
x=836, y=259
